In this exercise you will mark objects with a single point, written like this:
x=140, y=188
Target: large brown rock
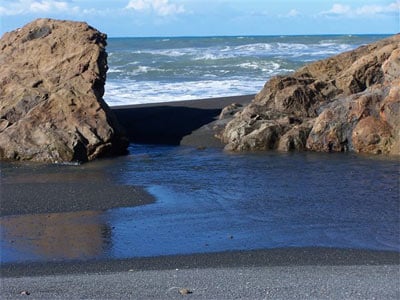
x=52, y=80
x=349, y=102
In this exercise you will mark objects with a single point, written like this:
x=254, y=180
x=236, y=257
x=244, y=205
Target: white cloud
x=338, y=9
x=160, y=7
x=46, y=6
x=290, y=14
x=293, y=13
x=379, y=9
x=366, y=10
x=139, y=5
x=11, y=8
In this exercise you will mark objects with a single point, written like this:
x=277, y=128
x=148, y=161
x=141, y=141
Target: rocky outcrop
x=349, y=102
x=51, y=87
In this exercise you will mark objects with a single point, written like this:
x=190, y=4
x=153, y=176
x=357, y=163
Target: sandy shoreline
x=310, y=273
x=278, y=273
x=72, y=196
x=206, y=103
x=282, y=257
x=175, y=123
x=294, y=282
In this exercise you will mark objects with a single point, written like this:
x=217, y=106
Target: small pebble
x=25, y=293
x=185, y=291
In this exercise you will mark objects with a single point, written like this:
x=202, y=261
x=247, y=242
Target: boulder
x=349, y=102
x=52, y=82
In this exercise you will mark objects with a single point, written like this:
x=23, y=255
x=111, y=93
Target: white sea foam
x=143, y=70
x=249, y=65
x=268, y=66
x=251, y=48
x=114, y=70
x=166, y=52
x=136, y=92
x=215, y=55
x=292, y=46
x=172, y=52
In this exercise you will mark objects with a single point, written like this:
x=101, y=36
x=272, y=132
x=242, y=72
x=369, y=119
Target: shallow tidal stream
x=211, y=201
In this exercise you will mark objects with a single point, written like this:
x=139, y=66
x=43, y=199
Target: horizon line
x=249, y=35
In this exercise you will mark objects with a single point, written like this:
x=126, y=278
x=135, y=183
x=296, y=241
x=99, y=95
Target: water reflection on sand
x=73, y=235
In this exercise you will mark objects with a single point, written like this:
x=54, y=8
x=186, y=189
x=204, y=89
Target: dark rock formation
x=349, y=102
x=51, y=87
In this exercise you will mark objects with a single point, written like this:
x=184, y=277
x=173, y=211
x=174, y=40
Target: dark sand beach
x=175, y=123
x=267, y=274
x=288, y=273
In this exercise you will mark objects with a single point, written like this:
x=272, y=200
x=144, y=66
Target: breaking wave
x=145, y=70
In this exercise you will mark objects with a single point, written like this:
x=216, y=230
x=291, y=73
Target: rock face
x=51, y=87
x=349, y=102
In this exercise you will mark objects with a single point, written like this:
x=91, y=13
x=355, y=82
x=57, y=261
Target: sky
x=138, y=18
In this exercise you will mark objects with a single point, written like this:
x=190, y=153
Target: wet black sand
x=311, y=273
x=50, y=197
x=171, y=122
x=233, y=259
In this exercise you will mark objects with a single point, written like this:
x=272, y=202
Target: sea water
x=149, y=70
x=211, y=201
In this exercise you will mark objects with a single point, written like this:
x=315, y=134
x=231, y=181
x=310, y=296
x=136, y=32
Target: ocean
x=152, y=70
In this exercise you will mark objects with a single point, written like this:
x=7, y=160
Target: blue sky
x=211, y=17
